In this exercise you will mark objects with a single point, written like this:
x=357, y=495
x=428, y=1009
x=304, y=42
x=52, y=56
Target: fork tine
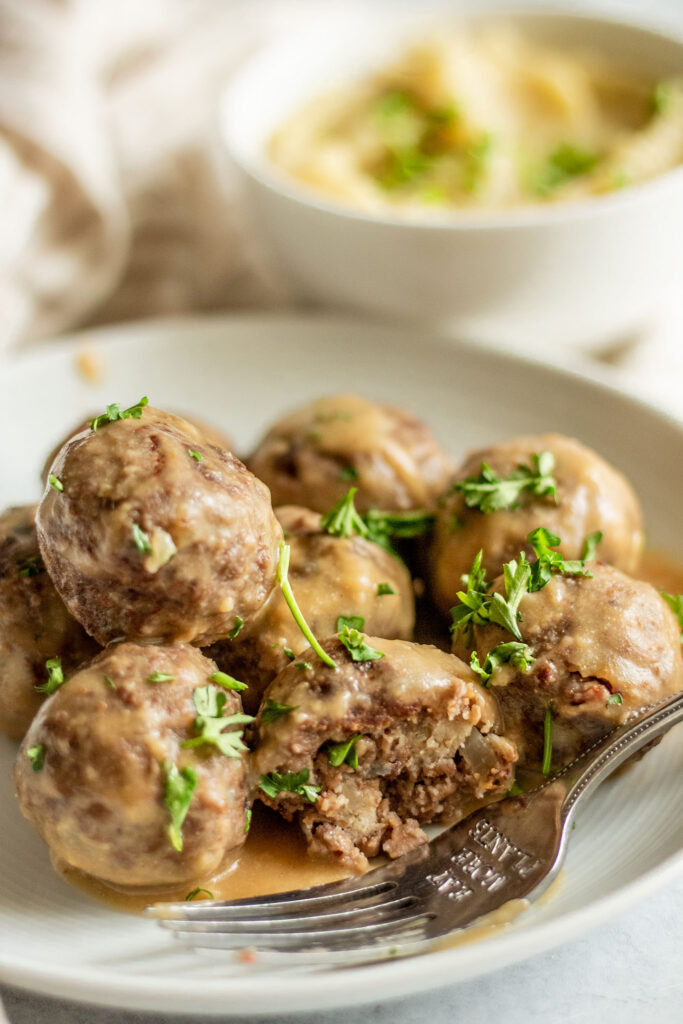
x=390, y=911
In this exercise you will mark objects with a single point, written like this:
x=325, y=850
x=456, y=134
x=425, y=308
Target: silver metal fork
x=511, y=850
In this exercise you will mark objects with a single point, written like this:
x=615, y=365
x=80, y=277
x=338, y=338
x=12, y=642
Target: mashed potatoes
x=484, y=120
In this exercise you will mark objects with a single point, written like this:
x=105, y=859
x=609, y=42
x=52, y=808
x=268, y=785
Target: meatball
x=591, y=495
x=98, y=770
x=309, y=457
x=365, y=754
x=150, y=533
x=211, y=434
x=34, y=623
x=331, y=577
x=602, y=647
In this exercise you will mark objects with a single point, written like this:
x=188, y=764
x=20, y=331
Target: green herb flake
x=234, y=632
x=614, y=698
x=489, y=492
x=31, y=566
x=565, y=163
x=348, y=473
x=211, y=725
x=355, y=643
x=36, y=756
x=114, y=413
x=272, y=710
x=352, y=621
x=590, y=546
x=547, y=739
x=247, y=822
x=55, y=676
x=475, y=162
x=343, y=520
x=141, y=540
x=382, y=527
x=305, y=666
x=675, y=603
x=288, y=653
x=517, y=654
x=550, y=562
x=344, y=753
x=290, y=782
x=661, y=98
x=227, y=682
x=194, y=454
x=109, y=682
x=283, y=580
x=179, y=787
x=55, y=483
x=514, y=790
x=197, y=892
x=384, y=588
x=160, y=677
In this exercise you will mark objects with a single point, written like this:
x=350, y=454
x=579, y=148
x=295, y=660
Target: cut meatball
x=153, y=534
x=34, y=623
x=309, y=457
x=211, y=434
x=109, y=740
x=603, y=647
x=425, y=733
x=330, y=576
x=591, y=496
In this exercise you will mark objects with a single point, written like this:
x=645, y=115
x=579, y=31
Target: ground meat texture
x=429, y=747
x=99, y=799
x=330, y=576
x=211, y=435
x=591, y=495
x=590, y=638
x=34, y=623
x=146, y=542
x=314, y=455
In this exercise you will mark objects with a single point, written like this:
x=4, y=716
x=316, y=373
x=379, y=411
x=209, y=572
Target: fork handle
x=585, y=774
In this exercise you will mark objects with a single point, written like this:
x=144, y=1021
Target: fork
x=507, y=851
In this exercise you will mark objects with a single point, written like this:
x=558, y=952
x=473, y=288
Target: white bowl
x=569, y=275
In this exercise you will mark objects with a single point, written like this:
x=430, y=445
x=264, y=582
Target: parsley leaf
x=227, y=682
x=514, y=790
x=504, y=610
x=384, y=588
x=564, y=163
x=31, y=566
x=343, y=520
x=55, y=483
x=55, y=676
x=283, y=580
x=36, y=756
x=194, y=454
x=547, y=739
x=290, y=782
x=160, y=677
x=114, y=413
x=303, y=665
x=195, y=892
x=489, y=492
x=179, y=787
x=590, y=546
x=675, y=603
x=478, y=607
x=141, y=540
x=344, y=753
x=517, y=654
x=614, y=698
x=550, y=562
x=352, y=621
x=109, y=682
x=474, y=602
x=234, y=632
x=355, y=644
x=210, y=723
x=272, y=710
x=348, y=473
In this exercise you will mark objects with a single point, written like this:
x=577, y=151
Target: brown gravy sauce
x=274, y=857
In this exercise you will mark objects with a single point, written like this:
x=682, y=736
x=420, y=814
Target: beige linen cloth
x=116, y=198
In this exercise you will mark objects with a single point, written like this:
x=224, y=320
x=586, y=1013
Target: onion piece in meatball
x=118, y=776
x=600, y=647
x=309, y=457
x=331, y=576
x=587, y=495
x=150, y=533
x=396, y=736
x=34, y=623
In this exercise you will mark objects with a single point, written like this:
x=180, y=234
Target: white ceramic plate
x=241, y=373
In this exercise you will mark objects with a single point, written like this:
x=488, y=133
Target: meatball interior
x=591, y=638
x=591, y=495
x=309, y=457
x=107, y=737
x=331, y=576
x=425, y=733
x=157, y=535
x=34, y=623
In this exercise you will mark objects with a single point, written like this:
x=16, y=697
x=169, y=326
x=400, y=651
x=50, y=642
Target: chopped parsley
x=384, y=588
x=247, y=821
x=549, y=562
x=660, y=98
x=227, y=682
x=352, y=621
x=160, y=677
x=141, y=540
x=196, y=892
x=290, y=782
x=565, y=163
x=234, y=632
x=614, y=698
x=55, y=483
x=303, y=665
x=478, y=607
x=55, y=676
x=272, y=710
x=489, y=492
x=547, y=739
x=109, y=682
x=517, y=654
x=474, y=601
x=31, y=566
x=283, y=580
x=210, y=723
x=36, y=756
x=114, y=413
x=179, y=787
x=344, y=520
x=515, y=789
x=356, y=645
x=348, y=473
x=475, y=162
x=675, y=603
x=344, y=753
x=288, y=653
x=194, y=454
x=590, y=546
